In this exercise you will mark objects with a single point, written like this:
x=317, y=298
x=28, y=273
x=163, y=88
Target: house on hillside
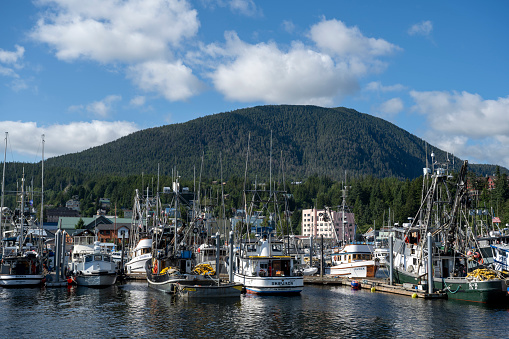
x=107, y=228
x=73, y=204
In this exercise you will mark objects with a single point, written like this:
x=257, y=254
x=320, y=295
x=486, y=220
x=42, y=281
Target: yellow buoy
x=373, y=289
x=414, y=295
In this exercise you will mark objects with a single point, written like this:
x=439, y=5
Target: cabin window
x=98, y=257
x=89, y=258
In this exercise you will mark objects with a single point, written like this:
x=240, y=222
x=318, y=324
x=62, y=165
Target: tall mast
x=42, y=198
x=22, y=214
x=3, y=190
x=222, y=194
x=270, y=166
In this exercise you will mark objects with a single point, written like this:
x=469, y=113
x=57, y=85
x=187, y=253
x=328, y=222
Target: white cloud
x=245, y=7
x=8, y=57
x=376, y=86
x=111, y=30
x=464, y=113
x=335, y=37
x=467, y=124
x=263, y=72
x=8, y=72
x=392, y=107
x=288, y=26
x=143, y=35
x=138, y=100
x=173, y=80
x=25, y=137
x=422, y=28
x=102, y=108
x=12, y=59
x=301, y=74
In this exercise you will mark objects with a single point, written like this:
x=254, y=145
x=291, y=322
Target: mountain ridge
x=306, y=140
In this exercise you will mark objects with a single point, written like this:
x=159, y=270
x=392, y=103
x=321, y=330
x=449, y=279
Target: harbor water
x=134, y=310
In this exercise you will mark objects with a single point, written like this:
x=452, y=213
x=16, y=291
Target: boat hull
x=137, y=264
x=270, y=285
x=489, y=291
x=96, y=280
x=354, y=270
x=25, y=280
x=212, y=291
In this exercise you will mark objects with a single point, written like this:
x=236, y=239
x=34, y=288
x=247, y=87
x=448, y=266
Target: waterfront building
x=317, y=222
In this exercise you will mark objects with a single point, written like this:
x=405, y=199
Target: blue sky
x=84, y=73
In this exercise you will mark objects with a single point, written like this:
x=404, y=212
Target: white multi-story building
x=313, y=223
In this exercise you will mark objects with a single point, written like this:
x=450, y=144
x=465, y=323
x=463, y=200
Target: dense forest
x=304, y=140
x=369, y=197
x=310, y=152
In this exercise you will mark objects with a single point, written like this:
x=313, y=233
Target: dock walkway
x=376, y=285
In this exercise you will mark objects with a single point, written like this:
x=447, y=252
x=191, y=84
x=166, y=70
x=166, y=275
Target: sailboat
x=435, y=243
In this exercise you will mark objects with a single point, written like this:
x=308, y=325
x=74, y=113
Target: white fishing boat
x=95, y=269
x=139, y=257
x=354, y=261
x=263, y=268
x=140, y=237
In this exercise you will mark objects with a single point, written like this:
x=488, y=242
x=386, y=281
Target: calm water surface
x=134, y=310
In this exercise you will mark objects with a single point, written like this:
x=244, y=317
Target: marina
x=133, y=310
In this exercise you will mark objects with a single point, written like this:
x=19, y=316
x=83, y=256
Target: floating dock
x=376, y=285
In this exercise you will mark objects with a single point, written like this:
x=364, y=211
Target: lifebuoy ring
x=481, y=261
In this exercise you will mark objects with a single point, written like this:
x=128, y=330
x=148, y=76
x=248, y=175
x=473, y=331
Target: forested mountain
x=309, y=140
x=311, y=146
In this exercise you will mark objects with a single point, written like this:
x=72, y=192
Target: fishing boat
x=95, y=269
x=263, y=268
x=91, y=265
x=140, y=238
x=139, y=257
x=354, y=261
x=21, y=263
x=435, y=238
x=173, y=260
x=20, y=270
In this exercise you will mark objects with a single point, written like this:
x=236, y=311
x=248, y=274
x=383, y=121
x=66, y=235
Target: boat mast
x=245, y=182
x=3, y=190
x=42, y=199
x=22, y=212
x=222, y=195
